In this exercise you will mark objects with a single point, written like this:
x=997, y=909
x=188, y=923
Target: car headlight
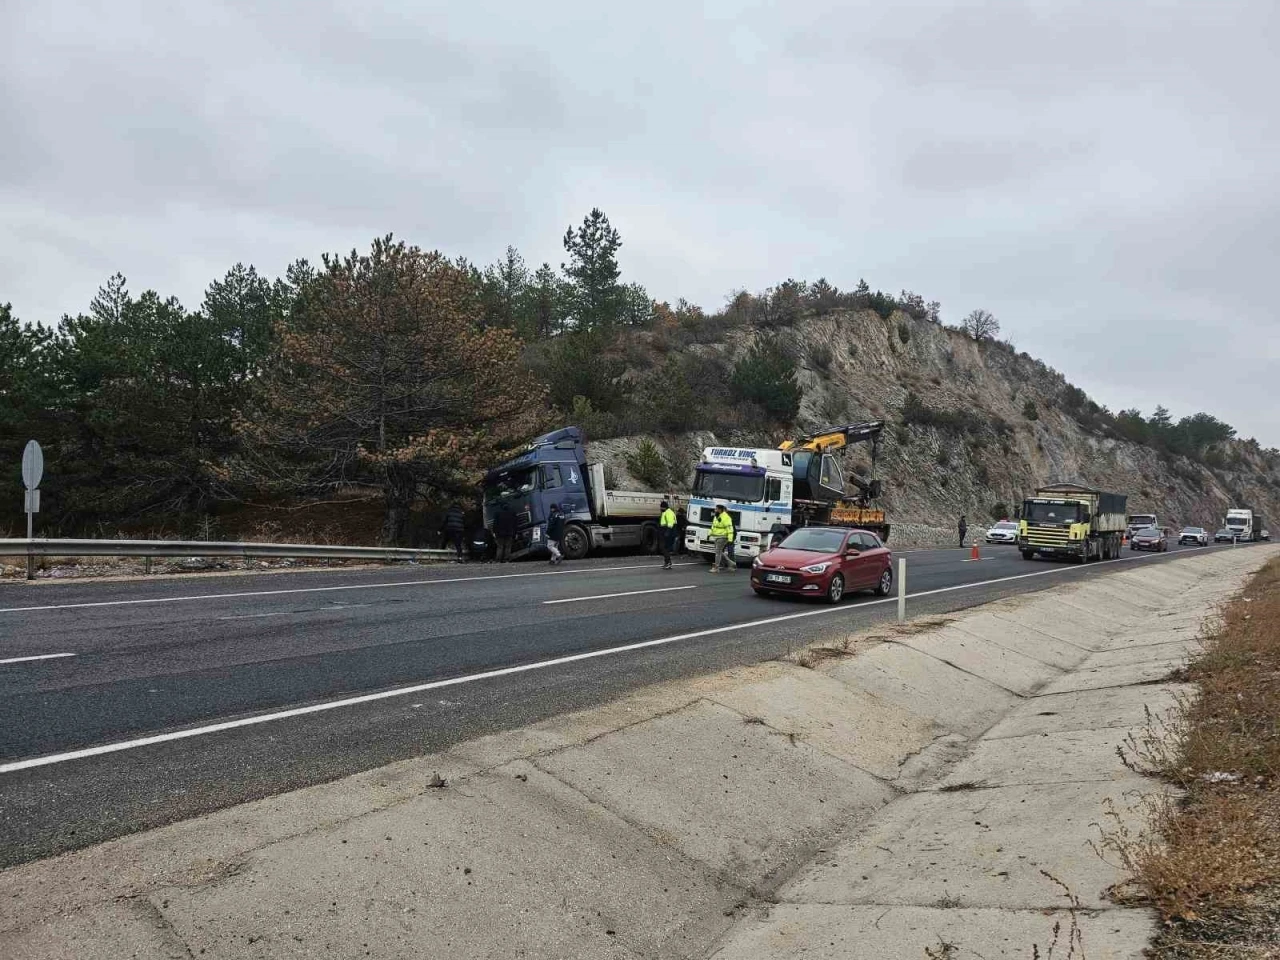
x=816, y=567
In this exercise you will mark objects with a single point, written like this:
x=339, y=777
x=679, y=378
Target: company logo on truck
x=732, y=453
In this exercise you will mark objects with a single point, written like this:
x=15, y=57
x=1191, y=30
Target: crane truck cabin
x=797, y=484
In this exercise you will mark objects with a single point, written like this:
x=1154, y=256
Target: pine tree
x=595, y=298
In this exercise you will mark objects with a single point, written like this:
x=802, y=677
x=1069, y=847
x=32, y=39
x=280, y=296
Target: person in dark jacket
x=682, y=524
x=555, y=533
x=964, y=529
x=504, y=531
x=455, y=528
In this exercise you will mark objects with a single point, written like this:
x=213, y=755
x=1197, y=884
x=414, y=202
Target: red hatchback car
x=824, y=562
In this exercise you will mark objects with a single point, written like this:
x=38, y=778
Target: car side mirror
x=853, y=552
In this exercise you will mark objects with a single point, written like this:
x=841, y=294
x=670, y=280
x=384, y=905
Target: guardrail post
x=146, y=566
x=31, y=560
x=902, y=589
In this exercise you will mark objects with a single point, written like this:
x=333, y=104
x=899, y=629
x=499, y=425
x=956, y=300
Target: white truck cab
x=757, y=487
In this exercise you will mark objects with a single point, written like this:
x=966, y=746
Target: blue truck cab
x=553, y=468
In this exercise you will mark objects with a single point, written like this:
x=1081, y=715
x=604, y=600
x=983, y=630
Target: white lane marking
x=259, y=616
x=629, y=593
x=158, y=738
x=43, y=656
x=349, y=586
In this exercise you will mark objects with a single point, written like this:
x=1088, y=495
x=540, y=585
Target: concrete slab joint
x=941, y=787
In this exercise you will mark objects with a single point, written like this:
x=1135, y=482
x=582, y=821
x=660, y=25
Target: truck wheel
x=576, y=543
x=1028, y=554
x=649, y=538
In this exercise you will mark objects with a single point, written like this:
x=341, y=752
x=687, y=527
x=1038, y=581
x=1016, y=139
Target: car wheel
x=761, y=593
x=885, y=584
x=835, y=590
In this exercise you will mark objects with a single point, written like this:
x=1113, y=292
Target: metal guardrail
x=204, y=548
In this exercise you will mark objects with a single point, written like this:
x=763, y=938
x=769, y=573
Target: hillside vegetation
x=389, y=379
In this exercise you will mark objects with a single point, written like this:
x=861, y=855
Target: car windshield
x=1042, y=512
x=729, y=486
x=1147, y=532
x=1005, y=525
x=1193, y=529
x=509, y=483
x=816, y=541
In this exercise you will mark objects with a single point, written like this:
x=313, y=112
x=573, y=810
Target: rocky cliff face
x=971, y=426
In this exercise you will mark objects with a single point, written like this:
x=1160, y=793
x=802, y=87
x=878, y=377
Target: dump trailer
x=554, y=469
x=1071, y=521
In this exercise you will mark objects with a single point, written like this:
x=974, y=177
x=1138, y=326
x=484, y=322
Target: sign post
x=32, y=472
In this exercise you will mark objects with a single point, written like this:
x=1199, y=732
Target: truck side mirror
x=1084, y=516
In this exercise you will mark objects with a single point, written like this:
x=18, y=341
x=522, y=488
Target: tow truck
x=798, y=483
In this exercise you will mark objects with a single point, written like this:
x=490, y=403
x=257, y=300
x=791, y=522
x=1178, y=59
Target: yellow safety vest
x=722, y=525
x=668, y=518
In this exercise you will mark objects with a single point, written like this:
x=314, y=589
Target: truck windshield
x=1041, y=512
x=729, y=486
x=509, y=484
x=1142, y=520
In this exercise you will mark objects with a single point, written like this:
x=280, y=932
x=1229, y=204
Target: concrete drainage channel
x=930, y=789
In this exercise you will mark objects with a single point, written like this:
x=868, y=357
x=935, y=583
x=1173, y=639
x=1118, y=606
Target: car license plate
x=777, y=578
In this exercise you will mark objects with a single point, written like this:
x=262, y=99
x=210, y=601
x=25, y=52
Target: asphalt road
x=309, y=676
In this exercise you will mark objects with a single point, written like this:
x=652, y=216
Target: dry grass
x=1209, y=859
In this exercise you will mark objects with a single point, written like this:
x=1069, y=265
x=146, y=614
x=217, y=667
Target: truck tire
x=1028, y=554
x=576, y=542
x=649, y=538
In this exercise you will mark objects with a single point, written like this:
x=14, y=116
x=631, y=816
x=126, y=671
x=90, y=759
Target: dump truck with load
x=1070, y=520
x=553, y=469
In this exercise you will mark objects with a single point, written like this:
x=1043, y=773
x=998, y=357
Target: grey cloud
x=1085, y=170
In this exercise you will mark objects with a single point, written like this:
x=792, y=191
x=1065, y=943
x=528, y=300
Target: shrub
x=915, y=411
x=882, y=304
x=766, y=375
x=667, y=397
x=999, y=510
x=820, y=355
x=580, y=365
x=648, y=465
x=596, y=424
x=1029, y=410
x=904, y=332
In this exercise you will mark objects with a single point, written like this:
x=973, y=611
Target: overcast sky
x=1101, y=176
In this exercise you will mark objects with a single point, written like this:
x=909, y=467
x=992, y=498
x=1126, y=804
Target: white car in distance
x=1006, y=531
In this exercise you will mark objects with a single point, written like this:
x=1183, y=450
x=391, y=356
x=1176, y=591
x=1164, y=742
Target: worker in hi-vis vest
x=667, y=534
x=722, y=537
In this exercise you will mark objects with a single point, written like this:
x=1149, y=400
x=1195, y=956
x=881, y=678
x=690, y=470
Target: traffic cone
x=973, y=553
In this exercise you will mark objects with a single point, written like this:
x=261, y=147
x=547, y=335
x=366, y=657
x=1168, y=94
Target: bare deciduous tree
x=982, y=325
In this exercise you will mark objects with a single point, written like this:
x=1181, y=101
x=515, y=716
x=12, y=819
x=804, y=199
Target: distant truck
x=554, y=469
x=1069, y=520
x=798, y=484
x=1246, y=524
x=1137, y=521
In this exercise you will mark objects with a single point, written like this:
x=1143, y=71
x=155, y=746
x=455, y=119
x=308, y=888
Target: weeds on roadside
x=1208, y=858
